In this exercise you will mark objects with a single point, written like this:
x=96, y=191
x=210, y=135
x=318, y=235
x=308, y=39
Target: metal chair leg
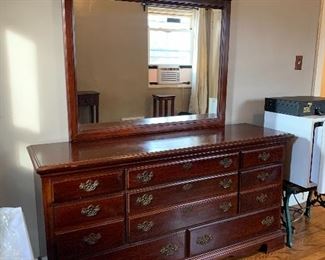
x=309, y=204
x=286, y=200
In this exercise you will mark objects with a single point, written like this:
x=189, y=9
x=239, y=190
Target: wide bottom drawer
x=90, y=240
x=224, y=233
x=169, y=247
x=161, y=222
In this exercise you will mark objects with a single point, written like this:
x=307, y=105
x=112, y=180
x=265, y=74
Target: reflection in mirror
x=133, y=64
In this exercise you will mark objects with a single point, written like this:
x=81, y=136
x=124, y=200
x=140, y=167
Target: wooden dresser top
x=68, y=156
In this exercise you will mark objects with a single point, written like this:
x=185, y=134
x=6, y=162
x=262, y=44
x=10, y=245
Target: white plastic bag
x=14, y=239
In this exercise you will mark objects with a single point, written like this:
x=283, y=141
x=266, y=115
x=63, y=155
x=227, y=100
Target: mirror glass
x=134, y=63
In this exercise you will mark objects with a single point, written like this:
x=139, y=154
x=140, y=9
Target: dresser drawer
x=87, y=211
x=260, y=199
x=180, y=170
x=260, y=177
x=150, y=199
x=262, y=156
x=90, y=240
x=169, y=247
x=224, y=233
x=162, y=222
x=91, y=184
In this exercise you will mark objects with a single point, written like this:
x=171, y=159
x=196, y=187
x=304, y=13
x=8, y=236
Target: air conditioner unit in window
x=168, y=74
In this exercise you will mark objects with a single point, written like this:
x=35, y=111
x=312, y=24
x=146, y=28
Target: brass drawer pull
x=89, y=185
x=268, y=221
x=261, y=198
x=263, y=176
x=187, y=166
x=90, y=211
x=264, y=156
x=225, y=183
x=226, y=206
x=187, y=186
x=145, y=176
x=204, y=240
x=92, y=238
x=145, y=199
x=226, y=162
x=169, y=250
x=145, y=226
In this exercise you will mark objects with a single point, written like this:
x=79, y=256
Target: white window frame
x=170, y=13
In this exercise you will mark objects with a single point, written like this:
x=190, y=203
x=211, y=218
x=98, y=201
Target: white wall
x=32, y=96
x=266, y=35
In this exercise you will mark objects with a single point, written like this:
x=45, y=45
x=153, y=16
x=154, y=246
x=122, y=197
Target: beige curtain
x=206, y=48
x=199, y=94
x=214, y=52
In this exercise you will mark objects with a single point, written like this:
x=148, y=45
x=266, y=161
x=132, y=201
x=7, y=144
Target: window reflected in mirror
x=133, y=64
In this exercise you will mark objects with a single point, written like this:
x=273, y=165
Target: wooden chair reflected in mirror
x=165, y=104
x=89, y=100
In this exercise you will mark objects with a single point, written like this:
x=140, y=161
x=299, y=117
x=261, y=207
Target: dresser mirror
x=137, y=67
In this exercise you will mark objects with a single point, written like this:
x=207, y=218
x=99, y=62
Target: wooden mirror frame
x=108, y=130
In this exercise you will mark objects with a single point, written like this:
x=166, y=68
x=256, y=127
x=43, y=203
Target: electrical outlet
x=298, y=63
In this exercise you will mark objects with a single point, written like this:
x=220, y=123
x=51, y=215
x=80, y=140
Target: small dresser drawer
x=162, y=222
x=88, y=211
x=262, y=156
x=88, y=185
x=90, y=240
x=224, y=233
x=180, y=170
x=139, y=202
x=260, y=199
x=169, y=247
x=260, y=177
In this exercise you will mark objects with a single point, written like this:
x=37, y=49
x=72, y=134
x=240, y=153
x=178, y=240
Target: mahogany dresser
x=203, y=194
